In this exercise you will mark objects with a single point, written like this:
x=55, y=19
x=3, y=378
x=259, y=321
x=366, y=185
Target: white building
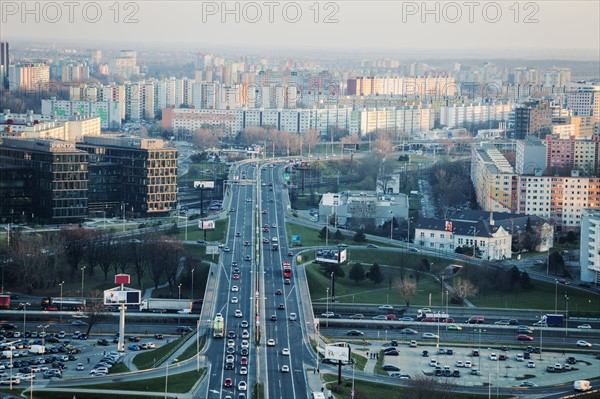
x=410, y=119
x=474, y=113
x=584, y=99
x=363, y=205
x=30, y=125
x=530, y=157
x=589, y=258
x=108, y=111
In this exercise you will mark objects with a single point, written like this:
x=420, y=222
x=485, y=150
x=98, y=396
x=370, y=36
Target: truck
x=54, y=303
x=582, y=385
x=4, y=302
x=37, y=349
x=275, y=247
x=159, y=305
x=551, y=320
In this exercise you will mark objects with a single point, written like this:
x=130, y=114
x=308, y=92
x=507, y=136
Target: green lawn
x=178, y=382
x=194, y=233
x=147, y=359
x=365, y=389
x=347, y=291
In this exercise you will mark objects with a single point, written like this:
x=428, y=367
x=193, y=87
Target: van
x=293, y=317
x=582, y=386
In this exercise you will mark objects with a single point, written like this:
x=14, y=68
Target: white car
x=245, y=334
x=231, y=343
x=584, y=326
x=151, y=345
x=285, y=352
x=245, y=344
x=530, y=364
x=583, y=343
x=79, y=366
x=428, y=335
x=25, y=376
x=468, y=364
x=271, y=342
x=243, y=370
x=234, y=299
x=520, y=358
x=235, y=288
x=493, y=356
x=238, y=313
x=285, y=368
x=242, y=386
x=458, y=364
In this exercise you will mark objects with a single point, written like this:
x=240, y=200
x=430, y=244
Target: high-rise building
x=4, y=62
x=28, y=77
x=589, y=251
x=148, y=171
x=51, y=196
x=532, y=118
x=125, y=65
x=584, y=99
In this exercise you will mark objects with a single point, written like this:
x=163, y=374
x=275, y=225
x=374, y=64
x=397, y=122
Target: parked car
x=390, y=367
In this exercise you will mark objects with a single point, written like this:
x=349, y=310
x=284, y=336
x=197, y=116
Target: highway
x=286, y=333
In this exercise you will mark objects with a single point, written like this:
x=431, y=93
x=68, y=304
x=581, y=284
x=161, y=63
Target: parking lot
x=510, y=372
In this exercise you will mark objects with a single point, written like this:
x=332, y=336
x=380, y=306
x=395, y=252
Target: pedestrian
x=367, y=353
x=104, y=353
x=322, y=389
x=88, y=360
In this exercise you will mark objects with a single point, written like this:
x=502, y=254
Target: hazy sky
x=471, y=28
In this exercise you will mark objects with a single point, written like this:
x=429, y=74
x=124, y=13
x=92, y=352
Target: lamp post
x=192, y=294
x=61, y=299
x=186, y=220
x=327, y=308
x=24, y=306
x=555, y=296
x=566, y=314
x=179, y=297
x=479, y=349
x=44, y=335
x=82, y=279
x=446, y=301
x=10, y=347
x=332, y=288
x=391, y=225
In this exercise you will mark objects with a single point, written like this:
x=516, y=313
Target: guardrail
x=185, y=339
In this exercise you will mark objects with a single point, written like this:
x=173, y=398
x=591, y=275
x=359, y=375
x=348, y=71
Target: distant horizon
x=580, y=55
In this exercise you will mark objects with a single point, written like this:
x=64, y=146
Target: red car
x=228, y=382
x=391, y=317
x=290, y=254
x=244, y=361
x=265, y=226
x=265, y=240
x=265, y=230
x=502, y=357
x=524, y=337
x=563, y=281
x=428, y=320
x=236, y=276
x=278, y=292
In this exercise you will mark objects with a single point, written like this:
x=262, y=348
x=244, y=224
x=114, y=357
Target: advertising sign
x=204, y=184
x=117, y=297
x=343, y=256
x=337, y=353
x=206, y=224
x=296, y=239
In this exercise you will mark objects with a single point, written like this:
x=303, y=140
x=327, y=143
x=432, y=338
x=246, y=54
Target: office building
x=148, y=173
x=53, y=184
x=58, y=127
x=584, y=99
x=108, y=111
x=532, y=118
x=354, y=205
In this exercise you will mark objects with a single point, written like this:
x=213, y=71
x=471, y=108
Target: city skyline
x=382, y=27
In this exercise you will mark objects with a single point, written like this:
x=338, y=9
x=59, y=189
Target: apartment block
x=410, y=86
x=410, y=119
x=28, y=77
x=532, y=118
x=58, y=127
x=109, y=112
x=530, y=157
x=571, y=153
x=458, y=115
x=589, y=250
x=494, y=179
x=584, y=99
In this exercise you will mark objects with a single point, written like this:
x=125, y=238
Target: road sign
x=286, y=176
x=295, y=239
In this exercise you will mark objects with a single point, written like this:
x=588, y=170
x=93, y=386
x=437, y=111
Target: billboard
x=117, y=297
x=206, y=224
x=212, y=250
x=337, y=353
x=331, y=256
x=204, y=184
x=295, y=239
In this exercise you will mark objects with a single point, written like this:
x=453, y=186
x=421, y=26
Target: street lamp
x=391, y=225
x=24, y=306
x=61, y=299
x=192, y=294
x=82, y=279
x=327, y=308
x=555, y=296
x=44, y=335
x=566, y=314
x=10, y=347
x=179, y=313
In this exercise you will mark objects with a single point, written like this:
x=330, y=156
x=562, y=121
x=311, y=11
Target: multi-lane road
x=260, y=293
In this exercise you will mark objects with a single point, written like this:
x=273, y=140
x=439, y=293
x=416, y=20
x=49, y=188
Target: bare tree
x=407, y=290
x=33, y=258
x=423, y=387
x=75, y=241
x=463, y=288
x=311, y=137
x=95, y=310
x=204, y=139
x=91, y=253
x=104, y=249
x=139, y=259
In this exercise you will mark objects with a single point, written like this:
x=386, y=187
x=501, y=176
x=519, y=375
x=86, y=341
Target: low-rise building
x=377, y=207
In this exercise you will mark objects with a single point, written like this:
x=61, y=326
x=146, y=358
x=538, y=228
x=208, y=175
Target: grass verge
x=178, y=383
x=147, y=359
